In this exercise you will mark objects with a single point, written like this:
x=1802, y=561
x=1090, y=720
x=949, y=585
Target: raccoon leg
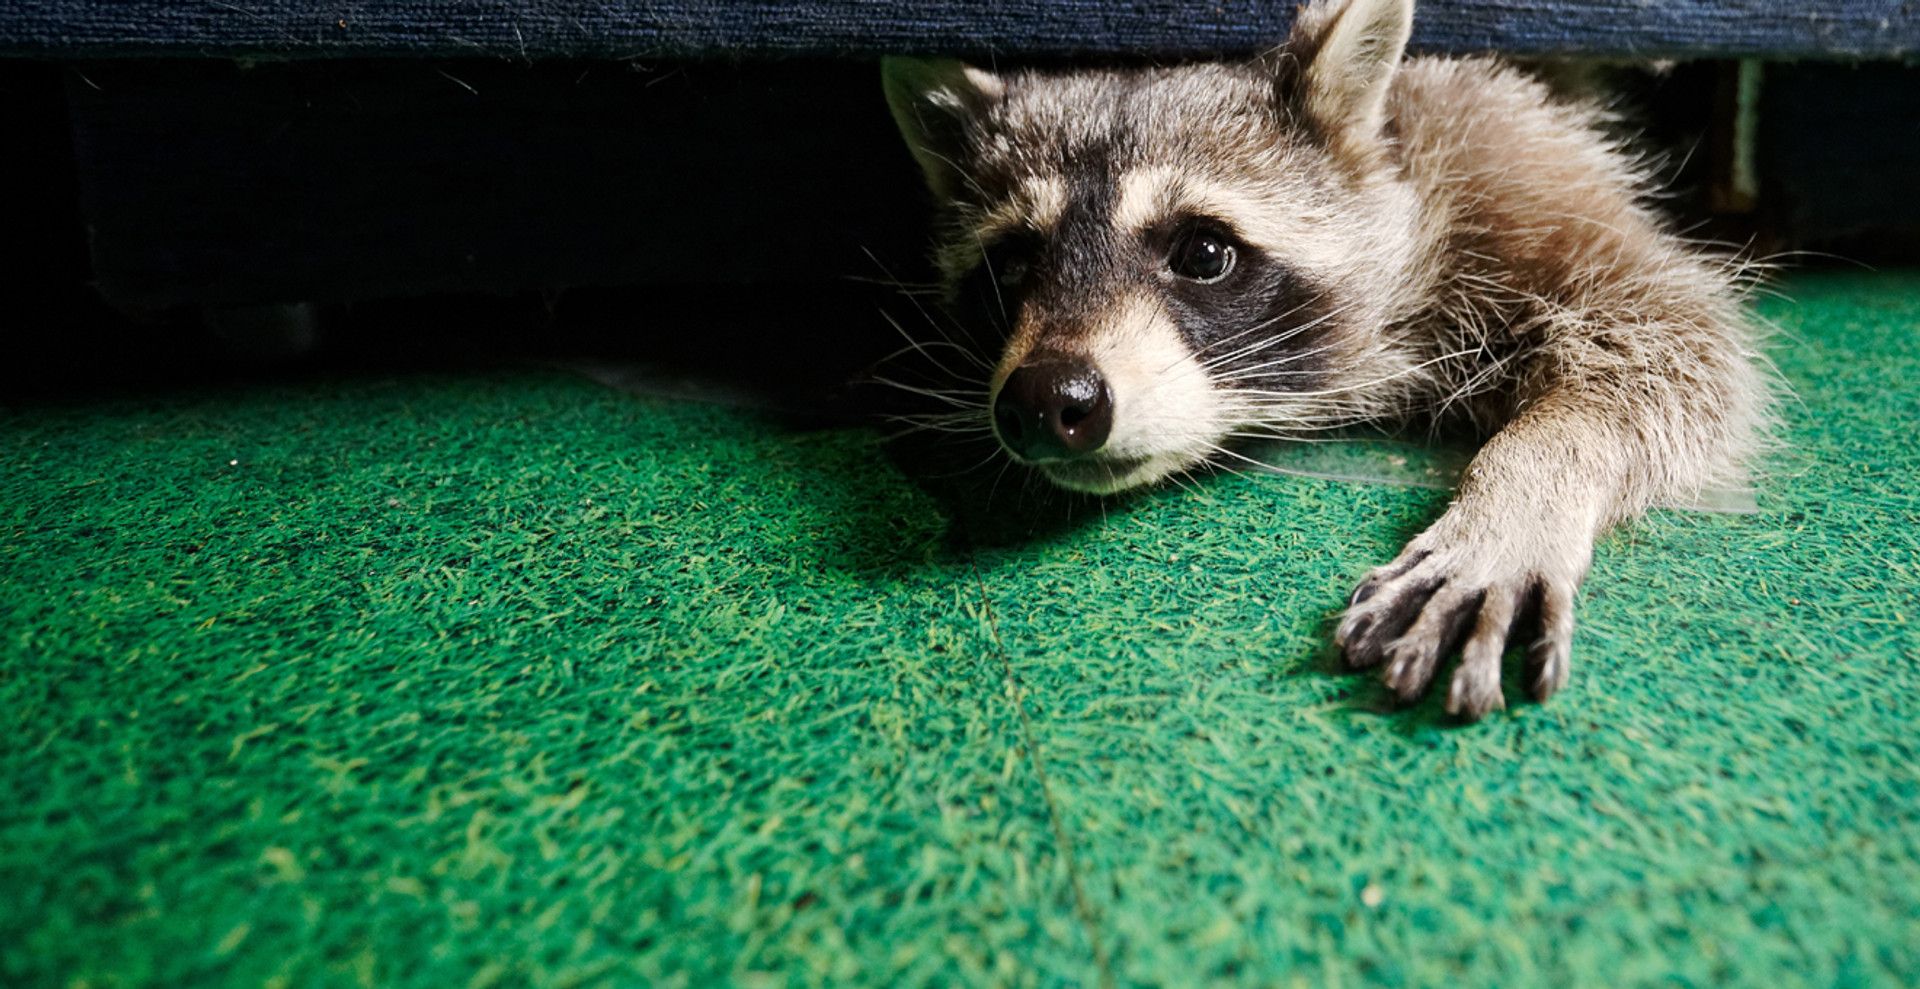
x=1503, y=561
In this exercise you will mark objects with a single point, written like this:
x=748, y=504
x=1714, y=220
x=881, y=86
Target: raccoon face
x=1139, y=311
x=1167, y=258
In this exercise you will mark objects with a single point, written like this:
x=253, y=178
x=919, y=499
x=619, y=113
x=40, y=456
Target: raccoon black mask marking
x=1169, y=259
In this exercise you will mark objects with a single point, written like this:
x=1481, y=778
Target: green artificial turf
x=504, y=679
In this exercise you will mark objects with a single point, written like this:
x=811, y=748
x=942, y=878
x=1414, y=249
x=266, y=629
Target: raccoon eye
x=1010, y=262
x=1202, y=257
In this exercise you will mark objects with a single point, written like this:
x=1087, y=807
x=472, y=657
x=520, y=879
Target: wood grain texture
x=633, y=29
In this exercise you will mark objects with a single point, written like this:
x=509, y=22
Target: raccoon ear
x=1339, y=62
x=934, y=101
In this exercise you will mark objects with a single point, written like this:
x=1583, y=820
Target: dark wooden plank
x=636, y=29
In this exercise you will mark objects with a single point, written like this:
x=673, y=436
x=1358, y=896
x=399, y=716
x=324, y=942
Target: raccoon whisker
x=916, y=348
x=970, y=468
x=963, y=349
x=891, y=280
x=1027, y=483
x=1316, y=416
x=981, y=464
x=958, y=411
x=1279, y=382
x=1299, y=429
x=961, y=381
x=1254, y=348
x=906, y=431
x=1261, y=397
x=1262, y=325
x=1307, y=434
x=1277, y=340
x=971, y=420
x=1219, y=359
x=1289, y=423
x=1298, y=403
x=954, y=423
x=1215, y=450
x=928, y=429
x=968, y=397
x=1269, y=368
x=1229, y=469
x=945, y=340
x=1312, y=420
x=911, y=290
x=1222, y=451
x=1282, y=382
x=993, y=279
x=956, y=397
x=1361, y=385
x=939, y=371
x=1281, y=362
x=970, y=379
x=1494, y=370
x=1260, y=466
x=1182, y=482
x=1258, y=344
x=971, y=353
x=1268, y=411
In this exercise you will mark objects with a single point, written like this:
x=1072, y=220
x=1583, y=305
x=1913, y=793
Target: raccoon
x=1174, y=258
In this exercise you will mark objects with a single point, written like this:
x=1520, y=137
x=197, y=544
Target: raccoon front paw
x=1434, y=600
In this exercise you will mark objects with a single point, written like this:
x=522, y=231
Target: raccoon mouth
x=1098, y=475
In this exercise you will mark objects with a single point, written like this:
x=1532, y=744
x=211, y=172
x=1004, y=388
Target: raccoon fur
x=1175, y=258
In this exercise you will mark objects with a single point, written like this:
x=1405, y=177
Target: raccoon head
x=1170, y=258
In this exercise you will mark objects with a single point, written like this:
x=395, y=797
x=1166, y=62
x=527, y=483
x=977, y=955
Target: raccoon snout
x=1057, y=408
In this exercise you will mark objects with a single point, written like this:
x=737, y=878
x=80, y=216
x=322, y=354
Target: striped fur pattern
x=1171, y=259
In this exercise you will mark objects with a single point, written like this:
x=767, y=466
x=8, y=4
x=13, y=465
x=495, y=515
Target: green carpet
x=509, y=679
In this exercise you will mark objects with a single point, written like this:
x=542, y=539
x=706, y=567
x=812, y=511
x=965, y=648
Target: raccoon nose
x=1054, y=409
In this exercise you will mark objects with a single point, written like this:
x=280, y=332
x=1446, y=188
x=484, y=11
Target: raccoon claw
x=1548, y=656
x=1410, y=615
x=1412, y=658
x=1375, y=579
